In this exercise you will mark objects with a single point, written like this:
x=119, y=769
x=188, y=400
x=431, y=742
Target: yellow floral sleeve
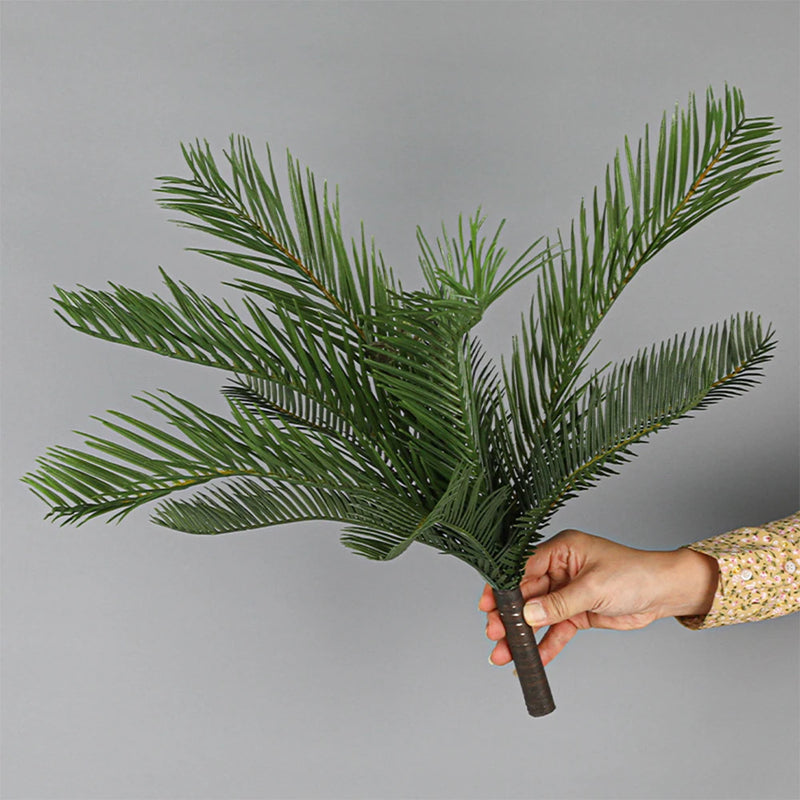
x=759, y=574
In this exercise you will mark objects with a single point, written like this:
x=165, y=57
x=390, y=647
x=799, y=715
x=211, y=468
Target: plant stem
x=524, y=651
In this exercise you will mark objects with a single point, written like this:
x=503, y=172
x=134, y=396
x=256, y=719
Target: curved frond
x=467, y=267
x=247, y=503
x=465, y=522
x=121, y=477
x=638, y=397
x=193, y=328
x=307, y=253
x=284, y=403
x=646, y=203
x=420, y=364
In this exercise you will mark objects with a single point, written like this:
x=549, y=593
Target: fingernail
x=490, y=660
x=534, y=613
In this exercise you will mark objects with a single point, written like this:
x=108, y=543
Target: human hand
x=583, y=581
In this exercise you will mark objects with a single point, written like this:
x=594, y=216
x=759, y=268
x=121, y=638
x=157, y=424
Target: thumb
x=557, y=606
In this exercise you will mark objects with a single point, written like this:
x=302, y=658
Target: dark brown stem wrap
x=522, y=643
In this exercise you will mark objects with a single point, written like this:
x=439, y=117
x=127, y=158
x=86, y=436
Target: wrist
x=689, y=583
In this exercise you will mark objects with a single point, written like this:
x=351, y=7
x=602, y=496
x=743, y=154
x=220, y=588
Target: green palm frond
x=284, y=403
x=193, y=328
x=648, y=202
x=466, y=266
x=82, y=485
x=637, y=398
x=308, y=254
x=353, y=400
x=465, y=522
x=420, y=366
x=208, y=446
x=246, y=503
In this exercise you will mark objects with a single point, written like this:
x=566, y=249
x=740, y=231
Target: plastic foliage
x=354, y=400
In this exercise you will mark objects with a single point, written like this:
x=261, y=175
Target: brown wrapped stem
x=522, y=643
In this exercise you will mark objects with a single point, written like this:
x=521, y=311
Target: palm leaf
x=696, y=170
x=466, y=266
x=638, y=397
x=420, y=365
x=464, y=522
x=193, y=328
x=208, y=446
x=310, y=256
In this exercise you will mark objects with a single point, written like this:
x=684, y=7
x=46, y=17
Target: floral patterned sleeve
x=759, y=574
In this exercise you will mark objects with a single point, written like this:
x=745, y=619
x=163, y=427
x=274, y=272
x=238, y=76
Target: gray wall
x=144, y=663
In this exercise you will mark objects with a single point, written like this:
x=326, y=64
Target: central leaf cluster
x=356, y=401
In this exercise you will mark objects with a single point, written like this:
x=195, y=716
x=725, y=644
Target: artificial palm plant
x=352, y=399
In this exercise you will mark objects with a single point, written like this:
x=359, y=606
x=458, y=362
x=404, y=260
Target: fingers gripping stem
x=524, y=651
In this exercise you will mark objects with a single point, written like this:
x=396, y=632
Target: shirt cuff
x=759, y=571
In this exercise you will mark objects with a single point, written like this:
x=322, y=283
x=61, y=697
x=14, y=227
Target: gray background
x=144, y=663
